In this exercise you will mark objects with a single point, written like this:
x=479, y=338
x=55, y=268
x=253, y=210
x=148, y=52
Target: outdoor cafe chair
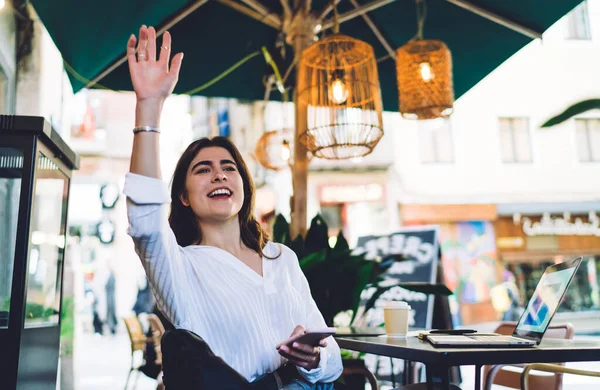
x=557, y=369
x=158, y=330
x=138, y=343
x=510, y=375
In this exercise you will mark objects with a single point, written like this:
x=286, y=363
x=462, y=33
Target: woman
x=211, y=268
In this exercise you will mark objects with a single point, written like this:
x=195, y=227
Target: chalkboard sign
x=414, y=253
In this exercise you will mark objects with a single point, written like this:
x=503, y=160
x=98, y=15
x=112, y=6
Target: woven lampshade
x=338, y=81
x=274, y=148
x=424, y=71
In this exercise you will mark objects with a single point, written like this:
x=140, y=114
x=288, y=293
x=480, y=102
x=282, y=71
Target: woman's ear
x=184, y=200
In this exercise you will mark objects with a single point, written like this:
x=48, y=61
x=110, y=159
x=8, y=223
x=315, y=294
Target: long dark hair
x=182, y=219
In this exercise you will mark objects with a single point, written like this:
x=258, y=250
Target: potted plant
x=335, y=275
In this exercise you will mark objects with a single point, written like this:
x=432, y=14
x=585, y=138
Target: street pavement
x=103, y=363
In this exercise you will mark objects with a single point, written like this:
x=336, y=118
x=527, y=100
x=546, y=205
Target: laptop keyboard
x=494, y=338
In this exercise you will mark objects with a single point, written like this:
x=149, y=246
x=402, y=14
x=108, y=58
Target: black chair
x=189, y=363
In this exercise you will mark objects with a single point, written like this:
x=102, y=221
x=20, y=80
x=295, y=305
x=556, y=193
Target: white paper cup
x=395, y=316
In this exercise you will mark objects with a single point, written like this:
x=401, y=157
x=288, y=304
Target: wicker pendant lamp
x=338, y=81
x=424, y=71
x=274, y=149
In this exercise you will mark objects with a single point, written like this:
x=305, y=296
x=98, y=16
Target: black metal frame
x=29, y=356
x=10, y=337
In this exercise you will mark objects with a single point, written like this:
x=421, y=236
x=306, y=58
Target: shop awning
x=481, y=34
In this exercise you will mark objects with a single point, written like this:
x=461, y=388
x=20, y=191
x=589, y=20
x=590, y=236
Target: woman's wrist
x=147, y=112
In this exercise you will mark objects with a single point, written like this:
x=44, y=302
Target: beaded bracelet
x=151, y=129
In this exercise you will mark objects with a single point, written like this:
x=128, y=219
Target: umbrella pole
x=300, y=35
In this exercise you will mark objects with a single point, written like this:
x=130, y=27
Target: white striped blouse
x=241, y=315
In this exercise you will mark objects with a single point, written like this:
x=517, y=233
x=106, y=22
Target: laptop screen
x=546, y=297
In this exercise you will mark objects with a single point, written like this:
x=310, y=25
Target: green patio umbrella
x=215, y=34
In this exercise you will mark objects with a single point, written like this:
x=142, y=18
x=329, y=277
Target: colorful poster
x=469, y=259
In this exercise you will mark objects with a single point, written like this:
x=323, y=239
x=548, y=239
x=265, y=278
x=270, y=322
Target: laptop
x=534, y=321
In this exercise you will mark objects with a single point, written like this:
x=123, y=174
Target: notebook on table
x=534, y=321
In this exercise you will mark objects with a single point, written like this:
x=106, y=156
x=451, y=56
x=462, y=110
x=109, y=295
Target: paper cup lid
x=396, y=305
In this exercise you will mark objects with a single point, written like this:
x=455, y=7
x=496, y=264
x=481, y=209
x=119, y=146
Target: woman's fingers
x=306, y=348
x=165, y=49
x=296, y=357
x=176, y=65
x=142, y=53
x=131, y=50
x=151, y=44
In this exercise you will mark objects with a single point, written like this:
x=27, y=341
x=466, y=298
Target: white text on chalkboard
x=400, y=244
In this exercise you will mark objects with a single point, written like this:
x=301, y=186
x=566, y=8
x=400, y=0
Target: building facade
x=8, y=61
x=491, y=162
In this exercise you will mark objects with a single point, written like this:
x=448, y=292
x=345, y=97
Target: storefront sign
x=510, y=242
x=562, y=226
x=351, y=193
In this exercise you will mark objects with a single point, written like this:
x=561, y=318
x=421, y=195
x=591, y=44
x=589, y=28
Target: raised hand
x=302, y=355
x=152, y=78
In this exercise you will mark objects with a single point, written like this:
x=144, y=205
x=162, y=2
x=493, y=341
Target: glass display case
x=47, y=244
x=11, y=172
x=35, y=174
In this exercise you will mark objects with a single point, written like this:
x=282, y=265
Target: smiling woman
x=210, y=265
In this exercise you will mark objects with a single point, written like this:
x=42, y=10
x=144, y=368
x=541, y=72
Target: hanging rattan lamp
x=424, y=72
x=274, y=149
x=338, y=81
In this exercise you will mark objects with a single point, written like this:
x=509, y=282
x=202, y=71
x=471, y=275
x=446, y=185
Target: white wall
x=43, y=88
x=8, y=56
x=538, y=82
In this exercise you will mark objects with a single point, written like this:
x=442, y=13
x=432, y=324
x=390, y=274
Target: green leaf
x=575, y=109
x=317, y=237
x=341, y=244
x=342, y=258
x=298, y=246
x=308, y=263
x=362, y=279
x=281, y=230
x=380, y=290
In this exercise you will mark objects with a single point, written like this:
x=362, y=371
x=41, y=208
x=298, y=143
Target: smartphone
x=310, y=337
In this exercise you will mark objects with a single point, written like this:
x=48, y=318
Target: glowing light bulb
x=426, y=72
x=286, y=153
x=2, y=3
x=338, y=92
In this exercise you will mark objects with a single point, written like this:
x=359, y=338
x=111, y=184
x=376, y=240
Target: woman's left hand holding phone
x=302, y=355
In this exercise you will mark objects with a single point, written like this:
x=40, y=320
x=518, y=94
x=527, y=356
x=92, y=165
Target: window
x=578, y=23
x=435, y=141
x=515, y=140
x=588, y=139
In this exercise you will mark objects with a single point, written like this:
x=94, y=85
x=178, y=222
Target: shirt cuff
x=315, y=374
x=145, y=190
